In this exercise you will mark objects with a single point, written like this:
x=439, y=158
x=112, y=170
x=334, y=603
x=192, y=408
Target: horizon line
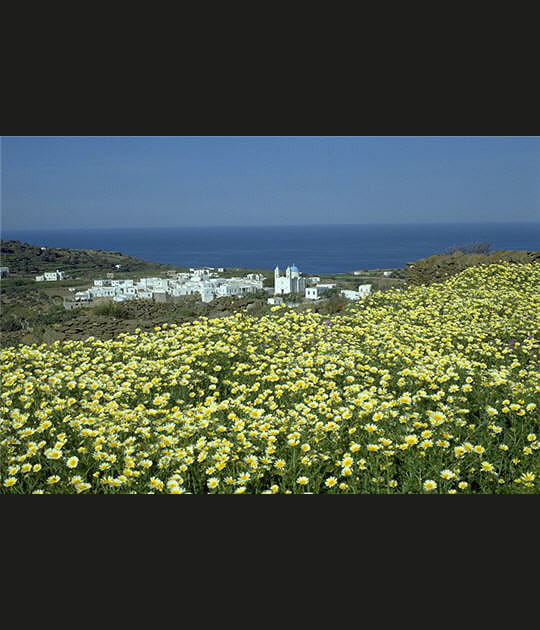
x=273, y=225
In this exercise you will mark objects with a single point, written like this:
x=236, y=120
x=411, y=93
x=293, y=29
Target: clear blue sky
x=56, y=182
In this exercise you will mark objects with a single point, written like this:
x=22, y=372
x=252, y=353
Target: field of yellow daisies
x=423, y=390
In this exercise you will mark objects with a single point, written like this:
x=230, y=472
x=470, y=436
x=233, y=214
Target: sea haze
x=313, y=248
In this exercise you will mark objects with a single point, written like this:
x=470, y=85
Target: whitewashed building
x=363, y=291
x=314, y=293
x=51, y=276
x=83, y=296
x=291, y=282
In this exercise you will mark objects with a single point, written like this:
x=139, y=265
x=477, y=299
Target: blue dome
x=294, y=268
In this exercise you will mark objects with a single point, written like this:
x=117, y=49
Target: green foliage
x=333, y=304
x=112, y=309
x=53, y=314
x=11, y=323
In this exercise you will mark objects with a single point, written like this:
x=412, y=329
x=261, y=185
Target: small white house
x=314, y=293
x=40, y=278
x=363, y=290
x=52, y=276
x=386, y=273
x=83, y=296
x=275, y=300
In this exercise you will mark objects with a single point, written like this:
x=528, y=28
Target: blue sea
x=312, y=248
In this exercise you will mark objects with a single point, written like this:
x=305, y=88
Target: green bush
x=54, y=314
x=10, y=323
x=112, y=309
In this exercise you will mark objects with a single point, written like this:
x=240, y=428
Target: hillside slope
x=441, y=266
x=427, y=389
x=25, y=259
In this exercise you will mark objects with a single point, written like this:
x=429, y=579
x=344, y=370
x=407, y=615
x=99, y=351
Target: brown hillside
x=441, y=266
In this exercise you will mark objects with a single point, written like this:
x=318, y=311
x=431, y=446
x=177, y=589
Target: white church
x=291, y=282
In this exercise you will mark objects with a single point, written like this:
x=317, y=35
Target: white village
x=208, y=284
x=205, y=282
